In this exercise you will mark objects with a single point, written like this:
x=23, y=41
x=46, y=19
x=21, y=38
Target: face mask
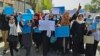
x=11, y=25
x=97, y=20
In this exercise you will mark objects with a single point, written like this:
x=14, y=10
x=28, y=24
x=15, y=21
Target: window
x=1, y=4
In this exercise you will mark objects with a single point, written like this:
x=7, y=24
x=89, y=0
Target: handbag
x=88, y=39
x=19, y=28
x=53, y=39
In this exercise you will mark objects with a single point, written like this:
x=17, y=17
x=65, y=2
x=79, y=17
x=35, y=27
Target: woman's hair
x=38, y=16
x=66, y=13
x=64, y=20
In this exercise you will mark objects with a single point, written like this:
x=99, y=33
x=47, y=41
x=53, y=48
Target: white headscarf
x=13, y=29
x=80, y=22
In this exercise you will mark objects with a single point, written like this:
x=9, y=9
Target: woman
x=4, y=30
x=26, y=36
x=12, y=39
x=77, y=32
x=36, y=34
x=66, y=21
x=96, y=34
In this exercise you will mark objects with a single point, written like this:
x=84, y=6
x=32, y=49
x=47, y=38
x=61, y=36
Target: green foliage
x=94, y=6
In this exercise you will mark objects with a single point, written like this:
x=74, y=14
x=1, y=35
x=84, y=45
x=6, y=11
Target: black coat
x=4, y=22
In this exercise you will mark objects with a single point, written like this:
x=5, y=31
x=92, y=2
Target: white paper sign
x=46, y=25
x=55, y=10
x=46, y=11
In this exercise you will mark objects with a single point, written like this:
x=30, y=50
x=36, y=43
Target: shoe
x=37, y=50
x=4, y=51
x=16, y=50
x=21, y=47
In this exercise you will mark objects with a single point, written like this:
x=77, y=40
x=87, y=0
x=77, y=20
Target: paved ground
x=34, y=53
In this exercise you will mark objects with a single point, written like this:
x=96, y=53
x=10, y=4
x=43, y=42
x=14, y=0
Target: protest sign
x=30, y=11
x=27, y=16
x=46, y=11
x=46, y=25
x=58, y=10
x=55, y=11
x=63, y=31
x=9, y=10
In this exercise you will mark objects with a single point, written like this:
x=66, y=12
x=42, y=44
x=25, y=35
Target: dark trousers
x=37, y=38
x=78, y=46
x=20, y=39
x=68, y=44
x=27, y=43
x=59, y=45
x=89, y=50
x=13, y=46
x=95, y=47
x=46, y=43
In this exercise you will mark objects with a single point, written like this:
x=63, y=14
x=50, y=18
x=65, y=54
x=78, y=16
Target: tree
x=94, y=6
x=43, y=5
x=88, y=7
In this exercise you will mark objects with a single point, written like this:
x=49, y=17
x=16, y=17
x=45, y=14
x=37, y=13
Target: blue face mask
x=97, y=20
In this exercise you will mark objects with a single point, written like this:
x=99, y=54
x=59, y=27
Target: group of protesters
x=27, y=35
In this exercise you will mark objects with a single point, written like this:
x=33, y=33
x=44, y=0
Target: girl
x=36, y=34
x=12, y=39
x=96, y=34
x=26, y=36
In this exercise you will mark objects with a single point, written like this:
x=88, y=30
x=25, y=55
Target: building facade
x=4, y=3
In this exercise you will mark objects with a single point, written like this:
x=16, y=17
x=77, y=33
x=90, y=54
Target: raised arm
x=74, y=17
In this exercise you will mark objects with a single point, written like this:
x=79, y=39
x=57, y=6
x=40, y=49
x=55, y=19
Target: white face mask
x=11, y=25
x=80, y=22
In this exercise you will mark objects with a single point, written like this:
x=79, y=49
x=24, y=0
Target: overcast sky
x=70, y=4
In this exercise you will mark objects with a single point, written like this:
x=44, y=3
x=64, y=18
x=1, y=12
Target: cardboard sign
x=46, y=11
x=55, y=11
x=63, y=31
x=58, y=10
x=46, y=25
x=27, y=16
x=9, y=10
x=30, y=11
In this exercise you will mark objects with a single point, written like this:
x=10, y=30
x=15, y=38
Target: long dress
x=77, y=32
